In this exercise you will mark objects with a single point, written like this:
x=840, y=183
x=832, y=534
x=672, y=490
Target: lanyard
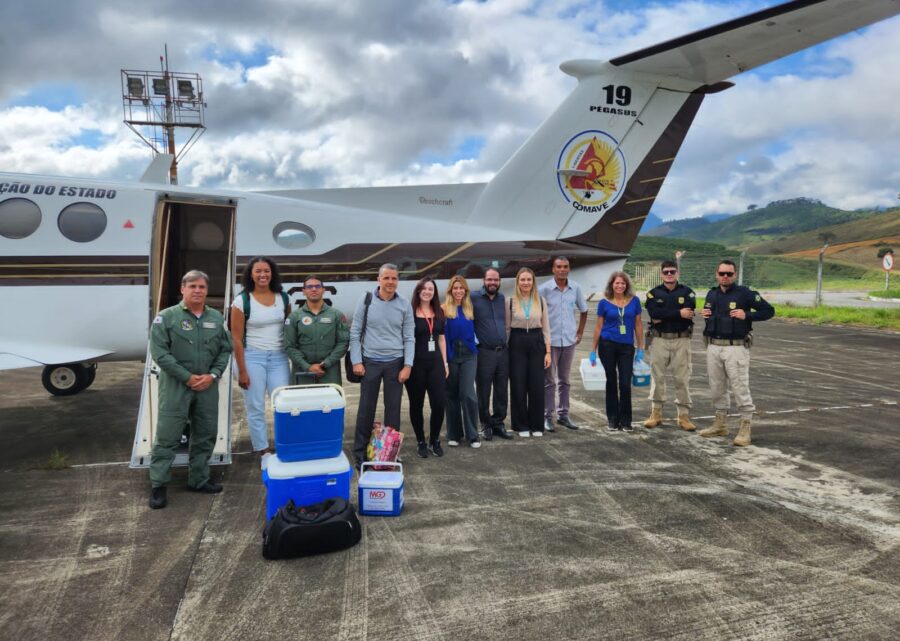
x=621, y=311
x=430, y=321
x=526, y=309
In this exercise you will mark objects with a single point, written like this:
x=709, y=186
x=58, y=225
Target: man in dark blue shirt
x=493, y=357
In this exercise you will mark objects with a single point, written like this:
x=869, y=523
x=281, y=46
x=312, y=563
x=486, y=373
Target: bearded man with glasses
x=671, y=309
x=729, y=312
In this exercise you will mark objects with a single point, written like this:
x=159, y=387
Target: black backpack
x=313, y=529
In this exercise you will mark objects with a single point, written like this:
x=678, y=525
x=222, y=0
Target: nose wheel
x=69, y=378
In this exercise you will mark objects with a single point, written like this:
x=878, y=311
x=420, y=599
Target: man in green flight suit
x=190, y=344
x=316, y=335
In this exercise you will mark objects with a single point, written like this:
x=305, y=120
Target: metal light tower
x=155, y=103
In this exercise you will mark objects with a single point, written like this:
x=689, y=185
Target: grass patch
x=825, y=315
x=885, y=293
x=57, y=461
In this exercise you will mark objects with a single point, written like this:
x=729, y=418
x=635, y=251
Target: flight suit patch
x=325, y=319
x=307, y=320
x=691, y=294
x=758, y=298
x=287, y=321
x=187, y=325
x=208, y=325
x=649, y=294
x=158, y=320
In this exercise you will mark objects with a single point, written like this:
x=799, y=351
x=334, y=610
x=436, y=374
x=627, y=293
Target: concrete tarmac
x=658, y=534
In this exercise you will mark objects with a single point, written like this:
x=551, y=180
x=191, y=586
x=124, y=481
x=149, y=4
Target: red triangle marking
x=128, y=225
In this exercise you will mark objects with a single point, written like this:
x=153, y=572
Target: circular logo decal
x=306, y=320
x=591, y=171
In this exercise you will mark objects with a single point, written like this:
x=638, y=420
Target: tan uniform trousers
x=728, y=367
x=674, y=353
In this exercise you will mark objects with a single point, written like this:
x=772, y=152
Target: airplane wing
x=716, y=53
x=34, y=355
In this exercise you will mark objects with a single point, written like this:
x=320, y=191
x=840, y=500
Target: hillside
x=855, y=242
x=775, y=221
x=652, y=248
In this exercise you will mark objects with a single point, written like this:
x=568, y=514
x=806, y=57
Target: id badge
x=430, y=344
x=622, y=329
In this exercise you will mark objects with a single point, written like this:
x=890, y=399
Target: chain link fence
x=756, y=272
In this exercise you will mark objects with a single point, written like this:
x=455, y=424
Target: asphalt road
x=658, y=534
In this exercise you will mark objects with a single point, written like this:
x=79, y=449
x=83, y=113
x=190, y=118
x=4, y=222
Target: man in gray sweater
x=383, y=353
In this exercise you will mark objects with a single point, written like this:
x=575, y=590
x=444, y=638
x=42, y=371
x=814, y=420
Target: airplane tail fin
x=592, y=170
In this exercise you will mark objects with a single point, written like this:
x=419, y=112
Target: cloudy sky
x=316, y=93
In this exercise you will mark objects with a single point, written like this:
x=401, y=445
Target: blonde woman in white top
x=528, y=330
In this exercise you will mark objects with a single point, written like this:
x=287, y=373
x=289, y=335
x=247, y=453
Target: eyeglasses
x=312, y=287
x=726, y=273
x=669, y=272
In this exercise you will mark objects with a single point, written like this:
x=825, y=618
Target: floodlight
x=135, y=87
x=185, y=89
x=160, y=87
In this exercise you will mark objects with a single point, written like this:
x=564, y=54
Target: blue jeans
x=267, y=371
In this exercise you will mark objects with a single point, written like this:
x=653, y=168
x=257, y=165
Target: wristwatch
x=215, y=376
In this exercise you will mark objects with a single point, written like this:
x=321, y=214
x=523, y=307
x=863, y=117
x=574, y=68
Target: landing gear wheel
x=91, y=374
x=65, y=380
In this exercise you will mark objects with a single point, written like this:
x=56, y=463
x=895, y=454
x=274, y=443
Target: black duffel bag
x=312, y=529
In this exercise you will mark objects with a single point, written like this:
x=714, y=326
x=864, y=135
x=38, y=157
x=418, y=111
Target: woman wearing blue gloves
x=618, y=328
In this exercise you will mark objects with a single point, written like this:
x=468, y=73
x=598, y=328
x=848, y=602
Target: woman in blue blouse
x=618, y=328
x=459, y=334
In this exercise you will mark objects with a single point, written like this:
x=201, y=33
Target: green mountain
x=775, y=221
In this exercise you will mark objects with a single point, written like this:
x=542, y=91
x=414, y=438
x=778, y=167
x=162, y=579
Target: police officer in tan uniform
x=671, y=309
x=729, y=312
x=190, y=344
x=316, y=335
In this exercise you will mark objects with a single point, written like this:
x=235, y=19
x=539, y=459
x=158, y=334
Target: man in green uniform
x=316, y=335
x=190, y=344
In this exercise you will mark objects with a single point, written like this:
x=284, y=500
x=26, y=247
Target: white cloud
x=358, y=93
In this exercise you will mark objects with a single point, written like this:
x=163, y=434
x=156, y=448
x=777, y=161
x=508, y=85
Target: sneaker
x=475, y=444
x=537, y=433
x=487, y=432
x=422, y=449
x=453, y=443
x=612, y=428
x=436, y=448
x=626, y=427
x=158, y=497
x=524, y=434
x=548, y=425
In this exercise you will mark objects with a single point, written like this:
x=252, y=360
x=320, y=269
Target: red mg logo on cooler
x=377, y=494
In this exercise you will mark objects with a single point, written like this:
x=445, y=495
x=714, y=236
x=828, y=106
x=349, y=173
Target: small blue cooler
x=306, y=482
x=309, y=421
x=380, y=492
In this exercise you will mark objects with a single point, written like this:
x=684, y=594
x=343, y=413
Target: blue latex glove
x=639, y=354
x=592, y=357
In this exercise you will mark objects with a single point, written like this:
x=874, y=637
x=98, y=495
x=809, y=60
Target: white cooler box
x=380, y=491
x=309, y=421
x=593, y=378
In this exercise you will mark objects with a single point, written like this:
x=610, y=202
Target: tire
x=91, y=374
x=65, y=380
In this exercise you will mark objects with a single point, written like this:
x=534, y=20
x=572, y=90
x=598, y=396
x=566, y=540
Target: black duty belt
x=685, y=334
x=726, y=341
x=492, y=348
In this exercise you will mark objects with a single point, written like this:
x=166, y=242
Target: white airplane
x=86, y=264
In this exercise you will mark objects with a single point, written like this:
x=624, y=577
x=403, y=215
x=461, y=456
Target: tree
x=751, y=207
x=885, y=250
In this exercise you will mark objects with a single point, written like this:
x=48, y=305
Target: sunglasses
x=726, y=273
x=312, y=287
x=669, y=272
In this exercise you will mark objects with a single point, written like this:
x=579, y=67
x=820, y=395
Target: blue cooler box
x=380, y=492
x=309, y=421
x=306, y=482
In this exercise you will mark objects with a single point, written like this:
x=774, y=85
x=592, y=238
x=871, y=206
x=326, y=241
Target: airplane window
x=82, y=222
x=19, y=217
x=293, y=235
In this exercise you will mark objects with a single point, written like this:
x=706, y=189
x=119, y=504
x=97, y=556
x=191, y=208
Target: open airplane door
x=187, y=235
